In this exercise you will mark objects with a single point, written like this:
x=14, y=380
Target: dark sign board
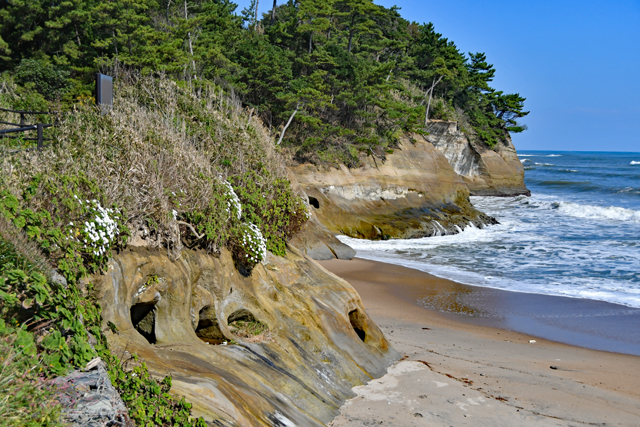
x=104, y=91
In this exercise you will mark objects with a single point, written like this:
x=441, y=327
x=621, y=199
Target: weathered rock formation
x=319, y=344
x=414, y=193
x=487, y=172
x=315, y=240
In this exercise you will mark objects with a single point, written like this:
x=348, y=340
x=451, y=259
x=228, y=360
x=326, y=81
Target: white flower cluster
x=233, y=202
x=253, y=243
x=99, y=232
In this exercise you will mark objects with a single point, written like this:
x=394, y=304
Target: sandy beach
x=471, y=370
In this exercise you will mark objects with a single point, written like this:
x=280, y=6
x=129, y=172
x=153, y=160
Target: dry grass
x=164, y=147
x=250, y=330
x=11, y=235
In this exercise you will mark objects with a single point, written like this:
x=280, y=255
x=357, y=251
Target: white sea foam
x=568, y=170
x=572, y=287
x=554, y=155
x=540, y=246
x=598, y=212
x=633, y=162
x=525, y=160
x=544, y=164
x=629, y=190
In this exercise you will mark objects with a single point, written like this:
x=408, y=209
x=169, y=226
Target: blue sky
x=576, y=62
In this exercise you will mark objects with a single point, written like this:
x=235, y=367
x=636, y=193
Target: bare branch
x=193, y=230
x=288, y=123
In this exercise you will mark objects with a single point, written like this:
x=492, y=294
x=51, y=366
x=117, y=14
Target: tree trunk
x=115, y=43
x=288, y=123
x=75, y=26
x=168, y=5
x=193, y=61
x=351, y=32
x=433, y=85
x=310, y=41
x=273, y=12
x=391, y=70
x=256, y=17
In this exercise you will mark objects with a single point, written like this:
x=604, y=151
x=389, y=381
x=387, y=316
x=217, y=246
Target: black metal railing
x=24, y=127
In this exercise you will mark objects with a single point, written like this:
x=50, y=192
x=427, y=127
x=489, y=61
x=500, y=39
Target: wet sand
x=494, y=376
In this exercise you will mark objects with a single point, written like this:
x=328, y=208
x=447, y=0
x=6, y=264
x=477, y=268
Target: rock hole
x=243, y=324
x=143, y=318
x=357, y=323
x=314, y=202
x=208, y=329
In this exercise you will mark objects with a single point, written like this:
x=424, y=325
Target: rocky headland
x=421, y=189
x=487, y=171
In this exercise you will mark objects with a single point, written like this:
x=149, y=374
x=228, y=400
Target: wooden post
x=40, y=136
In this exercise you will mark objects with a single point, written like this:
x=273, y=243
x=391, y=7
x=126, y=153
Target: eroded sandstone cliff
x=319, y=344
x=487, y=172
x=315, y=240
x=414, y=192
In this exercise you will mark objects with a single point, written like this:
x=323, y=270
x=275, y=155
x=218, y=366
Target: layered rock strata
x=318, y=343
x=413, y=193
x=320, y=244
x=487, y=172
x=315, y=240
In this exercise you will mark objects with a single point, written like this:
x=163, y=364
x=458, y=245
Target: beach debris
x=553, y=367
x=426, y=329
x=418, y=415
x=532, y=341
x=92, y=364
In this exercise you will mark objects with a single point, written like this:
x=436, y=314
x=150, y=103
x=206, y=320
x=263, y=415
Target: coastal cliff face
x=315, y=240
x=318, y=344
x=487, y=172
x=414, y=193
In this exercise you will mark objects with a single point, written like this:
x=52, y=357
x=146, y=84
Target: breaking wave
x=633, y=162
x=597, y=212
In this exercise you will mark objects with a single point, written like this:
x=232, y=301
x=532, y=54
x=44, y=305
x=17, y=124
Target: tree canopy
x=349, y=76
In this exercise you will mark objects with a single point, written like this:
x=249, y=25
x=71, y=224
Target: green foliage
x=28, y=297
x=26, y=399
x=272, y=206
x=66, y=222
x=53, y=338
x=349, y=68
x=43, y=77
x=148, y=400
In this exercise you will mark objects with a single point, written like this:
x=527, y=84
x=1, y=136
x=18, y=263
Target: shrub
x=175, y=165
x=44, y=77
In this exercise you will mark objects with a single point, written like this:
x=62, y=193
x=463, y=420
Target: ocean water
x=578, y=235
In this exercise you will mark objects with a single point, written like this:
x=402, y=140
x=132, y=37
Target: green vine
x=50, y=320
